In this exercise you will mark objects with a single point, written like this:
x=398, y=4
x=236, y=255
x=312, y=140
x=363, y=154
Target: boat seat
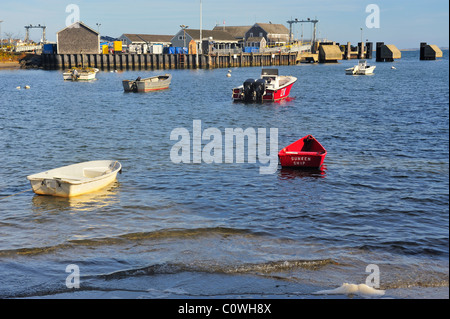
x=91, y=172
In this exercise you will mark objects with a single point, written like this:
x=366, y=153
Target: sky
x=402, y=23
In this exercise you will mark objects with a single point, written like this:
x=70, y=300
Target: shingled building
x=274, y=34
x=78, y=38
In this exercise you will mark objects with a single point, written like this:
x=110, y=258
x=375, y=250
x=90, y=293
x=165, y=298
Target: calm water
x=167, y=230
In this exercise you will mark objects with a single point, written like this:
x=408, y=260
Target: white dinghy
x=75, y=179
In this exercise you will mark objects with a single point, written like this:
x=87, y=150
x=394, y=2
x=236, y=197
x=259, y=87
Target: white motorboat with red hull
x=270, y=87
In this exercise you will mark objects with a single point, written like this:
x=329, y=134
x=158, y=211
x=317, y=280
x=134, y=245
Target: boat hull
x=307, y=152
x=278, y=95
x=155, y=83
x=74, y=180
x=82, y=75
x=360, y=70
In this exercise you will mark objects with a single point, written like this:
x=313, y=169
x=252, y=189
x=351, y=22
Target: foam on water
x=352, y=289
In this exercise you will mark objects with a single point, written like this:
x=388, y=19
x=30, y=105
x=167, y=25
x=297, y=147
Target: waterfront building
x=274, y=34
x=78, y=38
x=220, y=41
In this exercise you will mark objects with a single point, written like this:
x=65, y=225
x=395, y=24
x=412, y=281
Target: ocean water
x=223, y=230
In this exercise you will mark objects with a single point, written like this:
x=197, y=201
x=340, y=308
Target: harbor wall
x=165, y=61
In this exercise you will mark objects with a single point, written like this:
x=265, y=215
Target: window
x=261, y=34
x=180, y=37
x=251, y=35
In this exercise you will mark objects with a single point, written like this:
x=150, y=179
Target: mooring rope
x=16, y=194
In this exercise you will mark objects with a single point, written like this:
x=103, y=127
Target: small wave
x=187, y=233
x=408, y=248
x=138, y=236
x=172, y=268
x=275, y=266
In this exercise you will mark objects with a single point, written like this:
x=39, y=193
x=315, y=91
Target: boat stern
x=237, y=94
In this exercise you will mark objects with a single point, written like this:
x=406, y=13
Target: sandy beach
x=9, y=65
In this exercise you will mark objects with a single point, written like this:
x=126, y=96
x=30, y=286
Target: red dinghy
x=307, y=152
x=270, y=87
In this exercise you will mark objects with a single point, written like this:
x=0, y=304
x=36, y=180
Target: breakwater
x=165, y=61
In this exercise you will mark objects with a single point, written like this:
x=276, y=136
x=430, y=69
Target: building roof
x=238, y=32
x=77, y=25
x=255, y=39
x=107, y=38
x=273, y=28
x=215, y=34
x=144, y=38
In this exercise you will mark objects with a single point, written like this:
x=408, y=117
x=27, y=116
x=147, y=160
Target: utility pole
x=199, y=48
x=1, y=37
x=201, y=38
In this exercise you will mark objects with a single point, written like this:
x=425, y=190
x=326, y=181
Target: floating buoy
x=229, y=73
x=18, y=87
x=27, y=86
x=393, y=67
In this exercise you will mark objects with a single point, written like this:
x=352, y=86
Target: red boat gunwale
x=306, y=152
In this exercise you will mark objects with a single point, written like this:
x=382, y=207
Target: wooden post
x=59, y=64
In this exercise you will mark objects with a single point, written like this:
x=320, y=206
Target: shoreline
x=9, y=65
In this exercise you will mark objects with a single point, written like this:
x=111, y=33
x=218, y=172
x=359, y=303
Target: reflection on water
x=291, y=173
x=87, y=202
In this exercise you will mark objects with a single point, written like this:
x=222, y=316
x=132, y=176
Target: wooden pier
x=166, y=61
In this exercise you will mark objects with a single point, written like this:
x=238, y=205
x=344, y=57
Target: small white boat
x=361, y=69
x=75, y=179
x=80, y=74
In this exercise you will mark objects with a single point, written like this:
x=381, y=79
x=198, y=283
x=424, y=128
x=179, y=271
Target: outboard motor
x=307, y=144
x=260, y=89
x=249, y=90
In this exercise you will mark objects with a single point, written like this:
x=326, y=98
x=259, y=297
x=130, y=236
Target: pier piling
x=429, y=51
